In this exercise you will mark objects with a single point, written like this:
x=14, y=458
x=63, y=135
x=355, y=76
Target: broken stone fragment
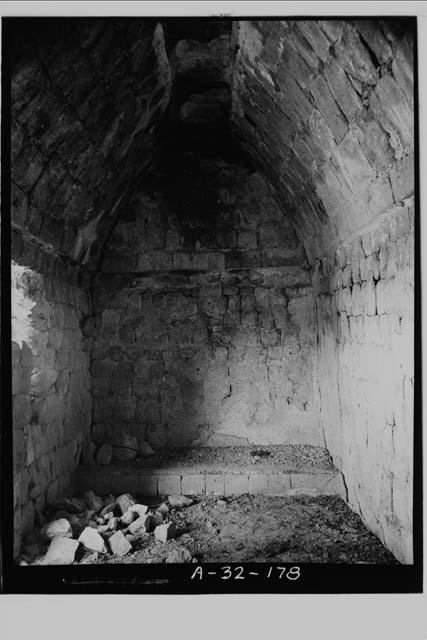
x=143, y=524
x=76, y=525
x=136, y=539
x=92, y=501
x=165, y=532
x=139, y=509
x=89, y=558
x=57, y=528
x=157, y=518
x=104, y=454
x=90, y=539
x=179, y=556
x=145, y=449
x=128, y=517
x=61, y=551
x=179, y=501
x=163, y=508
x=113, y=523
x=124, y=502
x=108, y=510
x=118, y=544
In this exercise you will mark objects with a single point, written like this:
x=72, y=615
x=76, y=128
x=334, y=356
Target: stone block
x=118, y=544
x=61, y=551
x=215, y=484
x=91, y=540
x=169, y=484
x=193, y=484
x=147, y=485
x=236, y=484
x=165, y=532
x=258, y=483
x=279, y=483
x=124, y=481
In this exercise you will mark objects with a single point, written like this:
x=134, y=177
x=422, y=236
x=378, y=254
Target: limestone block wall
x=217, y=358
x=86, y=99
x=365, y=315
x=205, y=320
x=51, y=381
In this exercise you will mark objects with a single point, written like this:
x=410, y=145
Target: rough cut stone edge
x=226, y=484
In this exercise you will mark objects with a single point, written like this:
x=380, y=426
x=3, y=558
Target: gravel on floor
x=290, y=457
x=252, y=528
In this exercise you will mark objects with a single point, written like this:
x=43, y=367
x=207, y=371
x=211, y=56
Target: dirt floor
x=251, y=528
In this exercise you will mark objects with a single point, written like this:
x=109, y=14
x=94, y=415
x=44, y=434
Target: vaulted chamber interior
x=213, y=246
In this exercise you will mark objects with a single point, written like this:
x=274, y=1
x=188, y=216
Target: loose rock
x=141, y=525
x=92, y=501
x=57, y=528
x=179, y=556
x=179, y=501
x=118, y=544
x=61, y=551
x=90, y=539
x=165, y=532
x=128, y=517
x=140, y=509
x=124, y=502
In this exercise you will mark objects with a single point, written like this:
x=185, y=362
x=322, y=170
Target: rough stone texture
x=365, y=307
x=61, y=551
x=51, y=397
x=326, y=111
x=205, y=322
x=86, y=98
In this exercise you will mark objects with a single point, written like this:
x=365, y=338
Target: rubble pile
x=86, y=529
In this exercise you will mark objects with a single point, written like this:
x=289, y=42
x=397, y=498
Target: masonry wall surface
x=52, y=403
x=365, y=313
x=205, y=323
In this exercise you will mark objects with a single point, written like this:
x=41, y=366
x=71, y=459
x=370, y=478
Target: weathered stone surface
x=139, y=509
x=61, y=551
x=165, y=532
x=57, y=528
x=104, y=454
x=118, y=544
x=145, y=449
x=88, y=452
x=179, y=501
x=141, y=525
x=126, y=448
x=125, y=502
x=128, y=517
x=90, y=539
x=179, y=556
x=93, y=501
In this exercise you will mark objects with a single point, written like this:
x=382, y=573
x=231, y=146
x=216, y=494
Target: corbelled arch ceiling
x=324, y=109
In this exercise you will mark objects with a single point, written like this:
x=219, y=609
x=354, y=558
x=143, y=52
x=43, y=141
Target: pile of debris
x=84, y=529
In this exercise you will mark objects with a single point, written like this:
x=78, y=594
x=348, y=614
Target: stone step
x=118, y=479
